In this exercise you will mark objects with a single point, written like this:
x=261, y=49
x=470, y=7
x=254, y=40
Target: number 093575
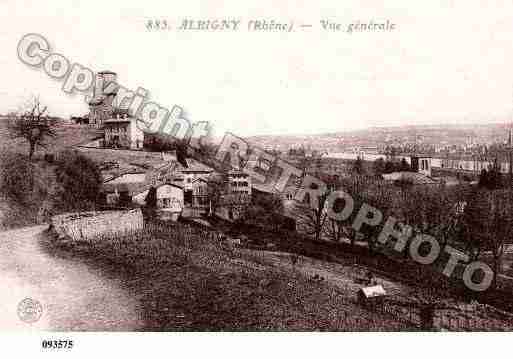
x=57, y=344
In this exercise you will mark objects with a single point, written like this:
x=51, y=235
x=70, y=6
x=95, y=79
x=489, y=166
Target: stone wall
x=87, y=225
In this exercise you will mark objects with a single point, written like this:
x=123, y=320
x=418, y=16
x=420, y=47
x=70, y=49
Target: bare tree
x=312, y=216
x=33, y=125
x=379, y=196
x=502, y=223
x=489, y=220
x=336, y=229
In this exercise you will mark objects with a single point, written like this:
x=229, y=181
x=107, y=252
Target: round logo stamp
x=30, y=310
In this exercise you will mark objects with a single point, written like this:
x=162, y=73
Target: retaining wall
x=87, y=225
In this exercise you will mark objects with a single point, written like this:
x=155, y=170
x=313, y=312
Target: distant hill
x=374, y=136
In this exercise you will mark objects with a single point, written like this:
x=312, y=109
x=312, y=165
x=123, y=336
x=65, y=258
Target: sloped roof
x=194, y=166
x=374, y=291
x=118, y=120
x=132, y=188
x=200, y=179
x=237, y=172
x=421, y=155
x=129, y=174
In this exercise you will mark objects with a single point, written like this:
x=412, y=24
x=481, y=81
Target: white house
x=193, y=171
x=170, y=201
x=121, y=189
x=239, y=182
x=421, y=164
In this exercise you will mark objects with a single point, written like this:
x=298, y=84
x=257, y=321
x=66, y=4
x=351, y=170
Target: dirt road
x=73, y=296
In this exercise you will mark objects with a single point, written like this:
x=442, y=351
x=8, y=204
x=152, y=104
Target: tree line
x=477, y=220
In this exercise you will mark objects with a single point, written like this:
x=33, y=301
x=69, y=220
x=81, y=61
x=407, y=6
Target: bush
x=38, y=189
x=80, y=179
x=17, y=177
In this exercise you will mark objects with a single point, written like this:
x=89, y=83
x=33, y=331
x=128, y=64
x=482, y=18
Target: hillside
x=67, y=135
x=186, y=280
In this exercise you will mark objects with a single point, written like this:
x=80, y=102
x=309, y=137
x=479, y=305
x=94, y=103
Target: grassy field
x=187, y=281
x=66, y=137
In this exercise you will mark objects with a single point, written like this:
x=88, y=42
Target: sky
x=446, y=61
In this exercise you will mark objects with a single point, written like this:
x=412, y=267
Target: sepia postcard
x=255, y=168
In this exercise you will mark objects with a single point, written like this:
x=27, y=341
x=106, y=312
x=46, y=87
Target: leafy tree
x=150, y=206
x=216, y=189
x=80, y=179
x=379, y=166
x=151, y=198
x=358, y=166
x=404, y=166
x=28, y=186
x=33, y=125
x=390, y=167
x=492, y=178
x=483, y=179
x=270, y=202
x=266, y=211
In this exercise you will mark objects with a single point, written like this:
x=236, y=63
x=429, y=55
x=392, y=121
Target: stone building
x=122, y=132
x=101, y=106
x=239, y=182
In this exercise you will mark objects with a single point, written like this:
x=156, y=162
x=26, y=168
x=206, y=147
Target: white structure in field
x=421, y=164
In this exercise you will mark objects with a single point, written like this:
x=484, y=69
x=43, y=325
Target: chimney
x=102, y=81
